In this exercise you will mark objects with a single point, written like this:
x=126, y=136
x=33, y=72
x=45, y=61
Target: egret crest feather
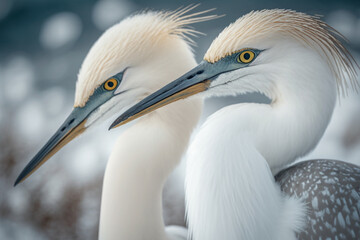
x=309, y=30
x=114, y=51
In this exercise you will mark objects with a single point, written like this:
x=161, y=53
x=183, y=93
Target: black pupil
x=247, y=56
x=110, y=84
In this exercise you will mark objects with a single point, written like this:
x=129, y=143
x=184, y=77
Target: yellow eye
x=110, y=84
x=246, y=56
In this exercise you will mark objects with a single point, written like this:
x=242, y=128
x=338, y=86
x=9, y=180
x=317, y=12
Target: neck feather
x=230, y=190
x=296, y=120
x=143, y=157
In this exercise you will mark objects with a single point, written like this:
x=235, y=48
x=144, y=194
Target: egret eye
x=110, y=84
x=246, y=56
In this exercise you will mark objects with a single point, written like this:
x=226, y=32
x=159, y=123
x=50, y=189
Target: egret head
x=130, y=60
x=262, y=51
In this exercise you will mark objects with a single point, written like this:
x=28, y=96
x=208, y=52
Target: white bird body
x=230, y=190
x=297, y=62
x=232, y=154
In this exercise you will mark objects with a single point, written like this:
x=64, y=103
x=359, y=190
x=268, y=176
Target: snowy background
x=42, y=45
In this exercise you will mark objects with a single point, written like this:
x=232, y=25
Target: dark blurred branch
x=62, y=221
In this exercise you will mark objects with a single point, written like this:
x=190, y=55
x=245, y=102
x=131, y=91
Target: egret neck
x=143, y=157
x=300, y=109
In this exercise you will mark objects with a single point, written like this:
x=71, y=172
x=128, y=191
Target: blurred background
x=42, y=45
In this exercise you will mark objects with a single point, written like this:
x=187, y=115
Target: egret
x=297, y=61
x=123, y=66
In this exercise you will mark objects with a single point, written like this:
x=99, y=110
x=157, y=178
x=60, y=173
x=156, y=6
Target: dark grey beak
x=73, y=126
x=196, y=80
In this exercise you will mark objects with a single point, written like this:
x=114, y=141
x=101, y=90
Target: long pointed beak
x=73, y=126
x=196, y=80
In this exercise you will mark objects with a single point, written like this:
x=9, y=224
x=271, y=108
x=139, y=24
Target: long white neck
x=300, y=112
x=230, y=189
x=144, y=156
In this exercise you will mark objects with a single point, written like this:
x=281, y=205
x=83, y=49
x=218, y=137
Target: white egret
x=296, y=61
x=129, y=61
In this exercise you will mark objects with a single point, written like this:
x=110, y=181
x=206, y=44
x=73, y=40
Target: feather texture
x=309, y=30
x=146, y=31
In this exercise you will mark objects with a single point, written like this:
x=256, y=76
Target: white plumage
x=144, y=154
x=296, y=61
x=230, y=191
x=130, y=60
x=152, y=48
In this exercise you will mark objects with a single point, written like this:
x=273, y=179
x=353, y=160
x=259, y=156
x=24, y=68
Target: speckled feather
x=331, y=190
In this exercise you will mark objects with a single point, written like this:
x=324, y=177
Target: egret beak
x=195, y=81
x=73, y=126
